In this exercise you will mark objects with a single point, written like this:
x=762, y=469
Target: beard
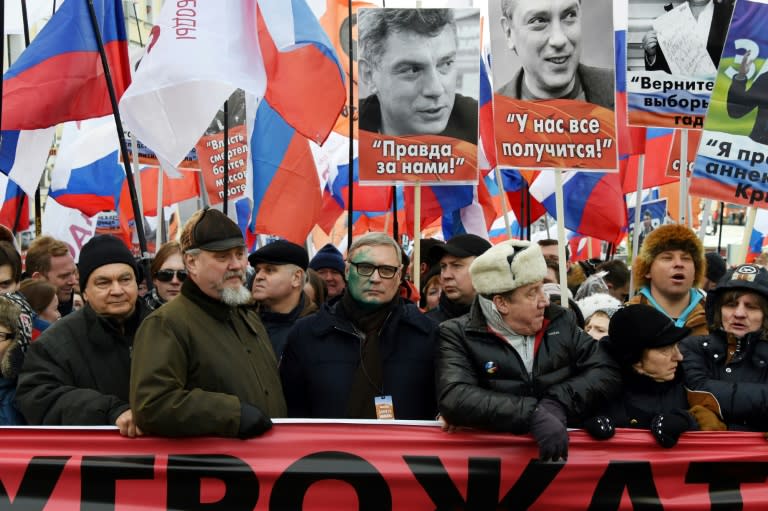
x=234, y=296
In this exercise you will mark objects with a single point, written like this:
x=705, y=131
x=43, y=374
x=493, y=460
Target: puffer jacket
x=739, y=385
x=482, y=381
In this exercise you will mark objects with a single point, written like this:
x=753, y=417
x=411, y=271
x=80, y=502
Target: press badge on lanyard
x=385, y=410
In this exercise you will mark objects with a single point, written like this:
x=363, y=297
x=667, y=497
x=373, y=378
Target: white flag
x=195, y=59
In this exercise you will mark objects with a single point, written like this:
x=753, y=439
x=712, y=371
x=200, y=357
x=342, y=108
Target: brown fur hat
x=669, y=237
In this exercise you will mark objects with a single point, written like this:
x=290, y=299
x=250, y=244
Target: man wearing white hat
x=517, y=363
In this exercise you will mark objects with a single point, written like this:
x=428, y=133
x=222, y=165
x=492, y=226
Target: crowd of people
x=225, y=341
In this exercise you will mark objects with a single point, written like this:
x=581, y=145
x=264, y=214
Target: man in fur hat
x=517, y=363
x=667, y=272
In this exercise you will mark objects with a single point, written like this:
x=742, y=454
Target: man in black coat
x=516, y=363
x=368, y=355
x=77, y=372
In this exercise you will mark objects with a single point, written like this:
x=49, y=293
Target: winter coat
x=482, y=381
x=9, y=413
x=77, y=371
x=642, y=399
x=195, y=361
x=323, y=353
x=739, y=385
x=278, y=325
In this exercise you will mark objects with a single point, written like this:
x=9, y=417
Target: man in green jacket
x=203, y=364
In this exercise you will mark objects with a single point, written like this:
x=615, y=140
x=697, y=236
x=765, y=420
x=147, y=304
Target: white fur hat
x=598, y=302
x=508, y=266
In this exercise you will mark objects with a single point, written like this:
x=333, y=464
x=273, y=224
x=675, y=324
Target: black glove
x=548, y=428
x=667, y=427
x=253, y=422
x=600, y=427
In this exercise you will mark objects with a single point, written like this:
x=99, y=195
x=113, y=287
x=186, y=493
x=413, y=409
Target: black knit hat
x=715, y=266
x=100, y=251
x=328, y=257
x=638, y=327
x=215, y=232
x=280, y=252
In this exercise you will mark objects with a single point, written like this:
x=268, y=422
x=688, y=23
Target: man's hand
x=449, y=428
x=650, y=43
x=127, y=425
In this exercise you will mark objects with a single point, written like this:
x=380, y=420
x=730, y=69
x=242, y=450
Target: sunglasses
x=167, y=275
x=7, y=336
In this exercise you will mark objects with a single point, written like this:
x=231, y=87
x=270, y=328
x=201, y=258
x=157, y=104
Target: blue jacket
x=9, y=414
x=322, y=355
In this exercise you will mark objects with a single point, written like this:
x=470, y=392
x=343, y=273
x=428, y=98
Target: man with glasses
x=370, y=354
x=202, y=363
x=77, y=372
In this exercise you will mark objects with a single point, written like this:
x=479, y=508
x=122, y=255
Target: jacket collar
x=332, y=316
x=214, y=308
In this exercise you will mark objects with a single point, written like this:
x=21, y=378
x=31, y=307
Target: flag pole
x=38, y=200
x=636, y=220
x=504, y=207
x=720, y=233
x=395, y=225
x=225, y=207
x=351, y=117
x=138, y=218
x=683, y=206
x=560, y=208
x=416, y=259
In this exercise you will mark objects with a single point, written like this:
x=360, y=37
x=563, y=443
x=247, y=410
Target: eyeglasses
x=167, y=275
x=367, y=269
x=7, y=336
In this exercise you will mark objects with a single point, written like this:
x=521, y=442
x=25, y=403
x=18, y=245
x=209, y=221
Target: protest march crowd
x=224, y=341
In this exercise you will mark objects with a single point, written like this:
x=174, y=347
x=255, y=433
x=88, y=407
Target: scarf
x=523, y=344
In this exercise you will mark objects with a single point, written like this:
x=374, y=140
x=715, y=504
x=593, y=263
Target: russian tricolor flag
x=594, y=205
x=88, y=175
x=23, y=155
x=59, y=77
x=14, y=212
x=759, y=232
x=300, y=61
x=286, y=188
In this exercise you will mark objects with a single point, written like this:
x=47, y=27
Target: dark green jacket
x=195, y=361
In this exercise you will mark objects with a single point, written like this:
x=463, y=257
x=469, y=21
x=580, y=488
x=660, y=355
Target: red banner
x=556, y=133
x=378, y=467
x=210, y=154
x=431, y=159
x=673, y=161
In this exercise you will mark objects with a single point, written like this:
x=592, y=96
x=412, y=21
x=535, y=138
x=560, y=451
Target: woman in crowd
x=168, y=273
x=732, y=361
x=11, y=359
x=644, y=342
x=41, y=296
x=315, y=288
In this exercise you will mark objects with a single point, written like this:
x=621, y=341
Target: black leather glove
x=549, y=430
x=253, y=422
x=600, y=427
x=667, y=427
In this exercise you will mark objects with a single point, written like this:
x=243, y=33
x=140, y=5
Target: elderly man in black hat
x=454, y=258
x=517, y=363
x=278, y=288
x=202, y=363
x=77, y=372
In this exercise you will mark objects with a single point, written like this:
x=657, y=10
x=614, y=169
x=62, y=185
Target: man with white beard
x=203, y=363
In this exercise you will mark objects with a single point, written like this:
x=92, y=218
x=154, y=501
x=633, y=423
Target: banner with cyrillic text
x=429, y=159
x=732, y=162
x=672, y=60
x=419, y=83
x=554, y=82
x=673, y=161
x=327, y=466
